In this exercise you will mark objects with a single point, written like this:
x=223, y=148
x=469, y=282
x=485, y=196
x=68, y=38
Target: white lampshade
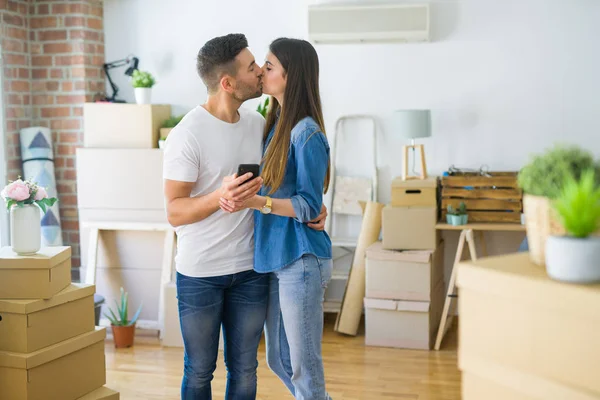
x=412, y=124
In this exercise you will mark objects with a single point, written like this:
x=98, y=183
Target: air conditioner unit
x=361, y=22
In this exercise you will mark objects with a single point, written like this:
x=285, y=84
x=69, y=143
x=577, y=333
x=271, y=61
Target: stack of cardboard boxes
x=404, y=273
x=50, y=347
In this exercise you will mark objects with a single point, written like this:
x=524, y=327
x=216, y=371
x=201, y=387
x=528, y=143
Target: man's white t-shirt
x=204, y=149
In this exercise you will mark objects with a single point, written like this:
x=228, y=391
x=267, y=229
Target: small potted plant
x=263, y=107
x=123, y=329
x=166, y=128
x=24, y=200
x=457, y=216
x=542, y=181
x=142, y=83
x=575, y=257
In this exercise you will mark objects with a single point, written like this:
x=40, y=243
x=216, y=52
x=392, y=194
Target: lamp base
x=421, y=149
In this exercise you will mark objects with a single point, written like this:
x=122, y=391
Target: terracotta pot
x=123, y=335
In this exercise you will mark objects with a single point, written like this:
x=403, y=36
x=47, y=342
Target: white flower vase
x=143, y=95
x=25, y=229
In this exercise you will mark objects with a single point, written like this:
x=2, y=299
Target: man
x=216, y=284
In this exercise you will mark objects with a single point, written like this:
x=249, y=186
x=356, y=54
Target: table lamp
x=413, y=124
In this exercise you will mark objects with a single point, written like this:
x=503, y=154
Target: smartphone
x=245, y=168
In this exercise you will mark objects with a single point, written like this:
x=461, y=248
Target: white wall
x=503, y=78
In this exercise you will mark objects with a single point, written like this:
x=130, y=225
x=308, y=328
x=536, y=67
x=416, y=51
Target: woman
x=295, y=171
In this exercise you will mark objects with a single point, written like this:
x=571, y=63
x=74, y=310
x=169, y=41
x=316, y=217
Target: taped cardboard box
x=403, y=275
x=415, y=192
x=513, y=314
x=67, y=370
x=410, y=228
x=403, y=324
x=38, y=276
x=30, y=325
x=103, y=393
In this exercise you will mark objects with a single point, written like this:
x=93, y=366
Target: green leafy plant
x=263, y=107
x=547, y=172
x=172, y=121
x=460, y=210
x=120, y=317
x=142, y=79
x=578, y=204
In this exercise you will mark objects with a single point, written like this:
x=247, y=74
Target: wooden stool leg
x=482, y=242
x=92, y=258
x=450, y=293
x=423, y=163
x=165, y=277
x=405, y=164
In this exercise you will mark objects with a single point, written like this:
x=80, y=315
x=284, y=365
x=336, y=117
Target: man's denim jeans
x=239, y=303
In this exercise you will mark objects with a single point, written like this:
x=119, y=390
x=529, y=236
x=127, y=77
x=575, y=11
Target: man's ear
x=227, y=83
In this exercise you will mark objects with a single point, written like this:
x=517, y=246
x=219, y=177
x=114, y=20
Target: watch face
x=266, y=210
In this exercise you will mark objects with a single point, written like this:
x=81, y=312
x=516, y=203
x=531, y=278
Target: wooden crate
x=488, y=199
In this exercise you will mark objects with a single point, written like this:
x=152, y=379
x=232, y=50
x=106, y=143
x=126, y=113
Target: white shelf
x=332, y=306
x=344, y=242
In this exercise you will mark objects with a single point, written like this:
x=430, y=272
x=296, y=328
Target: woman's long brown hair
x=301, y=99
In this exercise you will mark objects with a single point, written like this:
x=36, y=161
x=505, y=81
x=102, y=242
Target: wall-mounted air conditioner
x=362, y=22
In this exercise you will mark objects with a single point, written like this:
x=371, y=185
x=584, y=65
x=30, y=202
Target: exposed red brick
x=39, y=73
x=43, y=9
x=70, y=162
x=69, y=213
x=60, y=34
x=13, y=45
x=70, y=174
x=66, y=8
x=68, y=200
x=56, y=73
x=70, y=60
x=42, y=99
x=24, y=73
x=70, y=99
x=53, y=48
x=66, y=124
x=50, y=112
x=15, y=59
x=97, y=10
x=72, y=225
x=36, y=48
x=41, y=61
x=14, y=20
x=14, y=99
x=43, y=22
x=85, y=34
x=20, y=86
x=68, y=137
x=80, y=85
x=74, y=22
x=95, y=23
x=16, y=33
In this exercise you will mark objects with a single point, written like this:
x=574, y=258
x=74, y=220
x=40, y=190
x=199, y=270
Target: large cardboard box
x=114, y=125
x=403, y=275
x=67, y=370
x=513, y=314
x=103, y=393
x=38, y=276
x=415, y=192
x=409, y=228
x=30, y=325
x=125, y=179
x=403, y=324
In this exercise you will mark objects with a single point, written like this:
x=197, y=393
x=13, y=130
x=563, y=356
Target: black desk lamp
x=132, y=63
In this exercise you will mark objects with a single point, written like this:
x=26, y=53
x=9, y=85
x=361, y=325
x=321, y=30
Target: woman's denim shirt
x=280, y=241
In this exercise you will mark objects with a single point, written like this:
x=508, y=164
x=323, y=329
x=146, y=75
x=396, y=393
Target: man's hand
x=235, y=193
x=319, y=222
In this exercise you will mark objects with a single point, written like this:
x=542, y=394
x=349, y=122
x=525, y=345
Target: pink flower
x=16, y=190
x=40, y=194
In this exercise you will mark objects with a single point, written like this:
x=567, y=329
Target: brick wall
x=62, y=57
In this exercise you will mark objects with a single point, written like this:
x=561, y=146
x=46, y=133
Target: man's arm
x=183, y=209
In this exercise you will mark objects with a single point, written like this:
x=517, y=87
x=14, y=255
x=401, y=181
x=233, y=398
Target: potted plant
x=263, y=107
x=123, y=329
x=575, y=257
x=166, y=128
x=142, y=83
x=24, y=200
x=542, y=181
x=457, y=216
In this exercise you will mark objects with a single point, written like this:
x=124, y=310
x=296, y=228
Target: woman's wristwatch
x=266, y=209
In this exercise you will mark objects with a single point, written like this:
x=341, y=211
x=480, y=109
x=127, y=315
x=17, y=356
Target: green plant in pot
x=142, y=83
x=542, y=180
x=166, y=128
x=457, y=216
x=263, y=107
x=123, y=328
x=575, y=257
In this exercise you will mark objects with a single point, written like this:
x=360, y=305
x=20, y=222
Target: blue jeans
x=294, y=327
x=239, y=303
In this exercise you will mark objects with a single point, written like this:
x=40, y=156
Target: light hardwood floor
x=353, y=371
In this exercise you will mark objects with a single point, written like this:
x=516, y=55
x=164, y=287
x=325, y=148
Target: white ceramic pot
x=143, y=95
x=25, y=229
x=573, y=260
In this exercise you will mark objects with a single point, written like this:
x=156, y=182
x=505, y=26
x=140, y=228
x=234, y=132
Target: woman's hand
x=232, y=206
x=319, y=222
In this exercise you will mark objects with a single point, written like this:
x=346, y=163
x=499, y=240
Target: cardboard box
x=38, y=276
x=30, y=325
x=415, y=192
x=120, y=179
x=67, y=370
x=403, y=324
x=513, y=314
x=403, y=275
x=409, y=228
x=114, y=125
x=103, y=393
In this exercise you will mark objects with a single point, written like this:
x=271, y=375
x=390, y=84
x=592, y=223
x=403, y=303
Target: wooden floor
x=353, y=371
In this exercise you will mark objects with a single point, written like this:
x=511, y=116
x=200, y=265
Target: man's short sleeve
x=181, y=161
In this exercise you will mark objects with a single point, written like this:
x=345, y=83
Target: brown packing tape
x=348, y=318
